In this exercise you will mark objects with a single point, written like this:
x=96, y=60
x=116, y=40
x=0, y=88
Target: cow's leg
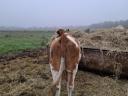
x=58, y=86
x=70, y=82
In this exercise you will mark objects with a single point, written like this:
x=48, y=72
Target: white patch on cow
x=62, y=67
x=73, y=40
x=56, y=74
x=79, y=56
x=74, y=75
x=62, y=63
x=74, y=72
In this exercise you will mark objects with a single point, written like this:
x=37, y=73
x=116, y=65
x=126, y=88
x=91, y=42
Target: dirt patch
x=26, y=53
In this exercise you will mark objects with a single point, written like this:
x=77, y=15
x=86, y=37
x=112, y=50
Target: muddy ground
x=30, y=76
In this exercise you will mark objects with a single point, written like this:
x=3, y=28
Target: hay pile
x=111, y=39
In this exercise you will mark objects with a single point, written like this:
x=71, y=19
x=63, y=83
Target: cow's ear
x=58, y=32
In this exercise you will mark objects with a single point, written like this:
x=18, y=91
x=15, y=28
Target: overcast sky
x=41, y=13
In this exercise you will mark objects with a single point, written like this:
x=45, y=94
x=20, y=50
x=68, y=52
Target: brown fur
x=65, y=48
x=61, y=46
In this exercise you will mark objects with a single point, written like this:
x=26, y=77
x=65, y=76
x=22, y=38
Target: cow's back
x=67, y=49
x=72, y=55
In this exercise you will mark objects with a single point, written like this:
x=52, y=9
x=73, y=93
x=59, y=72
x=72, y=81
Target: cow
x=64, y=56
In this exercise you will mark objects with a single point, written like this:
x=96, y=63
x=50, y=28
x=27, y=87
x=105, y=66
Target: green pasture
x=15, y=41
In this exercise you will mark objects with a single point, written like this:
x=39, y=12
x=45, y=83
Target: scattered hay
x=22, y=77
x=111, y=39
x=78, y=34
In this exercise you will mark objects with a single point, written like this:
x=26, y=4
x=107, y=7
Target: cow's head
x=60, y=32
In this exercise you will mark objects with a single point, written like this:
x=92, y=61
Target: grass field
x=14, y=41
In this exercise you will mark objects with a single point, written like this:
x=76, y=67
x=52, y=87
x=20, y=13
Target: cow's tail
x=52, y=90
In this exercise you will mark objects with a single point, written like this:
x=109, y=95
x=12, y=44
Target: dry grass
x=24, y=77
x=111, y=39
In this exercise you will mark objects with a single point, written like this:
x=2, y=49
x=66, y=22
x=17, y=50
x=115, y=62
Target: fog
x=51, y=13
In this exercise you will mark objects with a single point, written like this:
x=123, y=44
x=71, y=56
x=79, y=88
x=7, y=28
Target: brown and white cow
x=65, y=55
